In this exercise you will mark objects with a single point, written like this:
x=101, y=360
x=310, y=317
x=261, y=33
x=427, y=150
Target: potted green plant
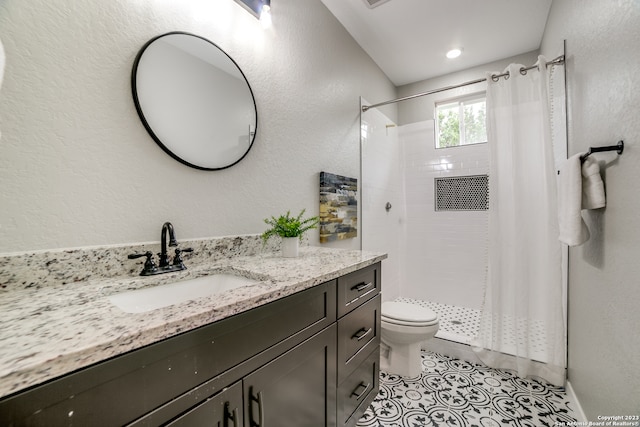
x=290, y=229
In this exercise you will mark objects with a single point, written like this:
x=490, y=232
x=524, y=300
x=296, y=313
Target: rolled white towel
x=593, y=196
x=573, y=230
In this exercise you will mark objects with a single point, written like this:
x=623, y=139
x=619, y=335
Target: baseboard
x=575, y=403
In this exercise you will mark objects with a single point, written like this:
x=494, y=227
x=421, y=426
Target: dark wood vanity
x=308, y=359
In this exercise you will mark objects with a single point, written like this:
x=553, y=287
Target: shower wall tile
x=446, y=251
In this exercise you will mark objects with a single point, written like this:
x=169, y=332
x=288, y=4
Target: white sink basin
x=142, y=300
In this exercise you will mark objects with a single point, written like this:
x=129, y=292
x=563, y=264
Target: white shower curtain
x=522, y=324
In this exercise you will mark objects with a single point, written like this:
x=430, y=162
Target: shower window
x=461, y=121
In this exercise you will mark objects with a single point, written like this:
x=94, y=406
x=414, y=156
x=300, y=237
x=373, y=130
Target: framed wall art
x=338, y=207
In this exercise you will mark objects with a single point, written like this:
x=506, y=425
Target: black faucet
x=163, y=266
x=164, y=258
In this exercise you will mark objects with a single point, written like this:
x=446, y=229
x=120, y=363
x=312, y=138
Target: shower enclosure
x=437, y=258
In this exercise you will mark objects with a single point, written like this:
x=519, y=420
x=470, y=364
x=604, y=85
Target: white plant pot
x=290, y=247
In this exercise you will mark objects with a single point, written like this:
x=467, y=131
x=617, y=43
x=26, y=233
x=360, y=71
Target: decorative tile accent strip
x=462, y=193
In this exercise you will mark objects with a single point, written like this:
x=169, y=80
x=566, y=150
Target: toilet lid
x=407, y=313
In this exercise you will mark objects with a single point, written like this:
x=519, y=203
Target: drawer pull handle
x=361, y=334
x=230, y=416
x=357, y=395
x=258, y=400
x=361, y=286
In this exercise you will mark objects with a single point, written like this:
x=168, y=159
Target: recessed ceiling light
x=454, y=53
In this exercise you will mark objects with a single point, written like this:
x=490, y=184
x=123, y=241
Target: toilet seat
x=406, y=314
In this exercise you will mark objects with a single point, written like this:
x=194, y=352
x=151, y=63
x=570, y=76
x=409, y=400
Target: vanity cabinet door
x=222, y=410
x=296, y=389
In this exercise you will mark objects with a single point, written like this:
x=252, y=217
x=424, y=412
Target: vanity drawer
x=359, y=389
x=358, y=333
x=354, y=289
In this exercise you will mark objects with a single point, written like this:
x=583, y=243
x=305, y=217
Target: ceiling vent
x=374, y=3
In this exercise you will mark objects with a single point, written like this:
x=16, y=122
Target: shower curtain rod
x=556, y=61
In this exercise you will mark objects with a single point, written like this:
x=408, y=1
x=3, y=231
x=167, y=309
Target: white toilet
x=404, y=327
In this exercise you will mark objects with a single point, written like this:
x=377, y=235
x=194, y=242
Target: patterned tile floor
x=451, y=392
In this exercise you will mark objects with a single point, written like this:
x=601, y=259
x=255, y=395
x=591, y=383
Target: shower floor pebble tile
x=461, y=324
x=459, y=321
x=452, y=392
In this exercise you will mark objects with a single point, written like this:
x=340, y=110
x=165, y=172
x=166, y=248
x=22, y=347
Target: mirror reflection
x=194, y=100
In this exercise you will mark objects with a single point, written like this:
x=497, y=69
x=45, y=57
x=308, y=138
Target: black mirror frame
x=153, y=135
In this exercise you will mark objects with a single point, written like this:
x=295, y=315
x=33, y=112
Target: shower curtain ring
x=494, y=77
x=523, y=71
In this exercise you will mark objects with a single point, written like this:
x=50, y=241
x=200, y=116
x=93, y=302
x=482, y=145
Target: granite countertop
x=53, y=330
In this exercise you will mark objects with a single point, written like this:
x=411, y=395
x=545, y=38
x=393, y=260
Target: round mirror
x=194, y=100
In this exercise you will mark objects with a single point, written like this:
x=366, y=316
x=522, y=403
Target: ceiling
x=408, y=39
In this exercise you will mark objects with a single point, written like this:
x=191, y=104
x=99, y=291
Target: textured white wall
x=77, y=168
x=603, y=77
